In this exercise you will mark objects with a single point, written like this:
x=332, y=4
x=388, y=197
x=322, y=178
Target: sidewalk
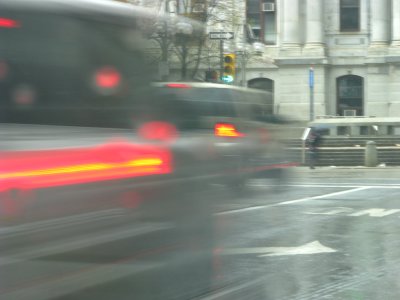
x=347, y=168
x=344, y=175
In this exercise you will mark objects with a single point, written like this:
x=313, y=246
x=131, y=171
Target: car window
x=198, y=102
x=68, y=71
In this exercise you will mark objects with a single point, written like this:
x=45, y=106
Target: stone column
x=314, y=24
x=379, y=23
x=395, y=23
x=315, y=30
x=291, y=26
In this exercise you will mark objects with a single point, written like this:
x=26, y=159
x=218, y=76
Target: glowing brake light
x=107, y=78
x=9, y=23
x=226, y=130
x=178, y=85
x=158, y=130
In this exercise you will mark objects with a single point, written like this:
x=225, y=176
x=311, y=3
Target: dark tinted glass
x=53, y=66
x=349, y=15
x=185, y=107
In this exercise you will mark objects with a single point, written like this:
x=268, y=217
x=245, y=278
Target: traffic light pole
x=221, y=59
x=244, y=68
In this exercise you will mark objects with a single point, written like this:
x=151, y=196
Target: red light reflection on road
x=38, y=169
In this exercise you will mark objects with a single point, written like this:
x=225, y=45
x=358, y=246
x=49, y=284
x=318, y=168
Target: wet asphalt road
x=330, y=233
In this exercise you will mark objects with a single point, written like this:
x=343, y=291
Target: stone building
x=353, y=47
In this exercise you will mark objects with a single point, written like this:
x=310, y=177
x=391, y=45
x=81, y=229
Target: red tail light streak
x=227, y=130
x=40, y=169
x=9, y=23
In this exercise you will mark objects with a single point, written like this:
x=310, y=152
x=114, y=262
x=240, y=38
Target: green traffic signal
x=229, y=68
x=227, y=78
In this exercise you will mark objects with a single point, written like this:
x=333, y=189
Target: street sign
x=221, y=35
x=311, y=84
x=311, y=77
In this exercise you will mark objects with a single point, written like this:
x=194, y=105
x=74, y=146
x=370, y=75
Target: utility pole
x=221, y=59
x=311, y=84
x=244, y=69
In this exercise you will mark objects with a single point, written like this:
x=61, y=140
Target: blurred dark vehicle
x=232, y=131
x=87, y=211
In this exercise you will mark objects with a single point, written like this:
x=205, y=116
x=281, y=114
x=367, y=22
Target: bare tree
x=184, y=43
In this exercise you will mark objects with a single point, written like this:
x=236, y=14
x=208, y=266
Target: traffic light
x=229, y=68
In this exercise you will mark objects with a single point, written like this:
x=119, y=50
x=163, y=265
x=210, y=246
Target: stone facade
x=356, y=71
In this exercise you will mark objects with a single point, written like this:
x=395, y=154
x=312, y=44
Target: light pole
x=243, y=51
x=240, y=52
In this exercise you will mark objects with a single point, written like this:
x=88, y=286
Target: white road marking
x=350, y=212
x=230, y=293
x=332, y=211
x=253, y=208
x=375, y=212
x=310, y=248
x=324, y=196
x=242, y=210
x=334, y=185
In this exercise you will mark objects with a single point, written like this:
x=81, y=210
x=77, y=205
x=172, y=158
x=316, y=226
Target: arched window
x=350, y=95
x=349, y=15
x=267, y=85
x=264, y=84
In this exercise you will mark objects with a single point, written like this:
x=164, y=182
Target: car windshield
x=68, y=71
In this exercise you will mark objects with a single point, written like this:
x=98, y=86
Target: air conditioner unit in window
x=350, y=112
x=198, y=8
x=268, y=6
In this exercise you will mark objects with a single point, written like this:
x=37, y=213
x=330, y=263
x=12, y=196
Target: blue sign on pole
x=311, y=78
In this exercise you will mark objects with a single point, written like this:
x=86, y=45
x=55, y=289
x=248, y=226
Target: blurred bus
x=87, y=211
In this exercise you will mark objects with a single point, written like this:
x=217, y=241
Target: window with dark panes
x=350, y=94
x=261, y=21
x=253, y=18
x=269, y=22
x=349, y=15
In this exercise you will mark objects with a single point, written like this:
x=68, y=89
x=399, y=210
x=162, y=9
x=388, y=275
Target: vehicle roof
x=91, y=8
x=88, y=6
x=212, y=85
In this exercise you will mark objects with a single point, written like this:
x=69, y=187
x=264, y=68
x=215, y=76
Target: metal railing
x=343, y=117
